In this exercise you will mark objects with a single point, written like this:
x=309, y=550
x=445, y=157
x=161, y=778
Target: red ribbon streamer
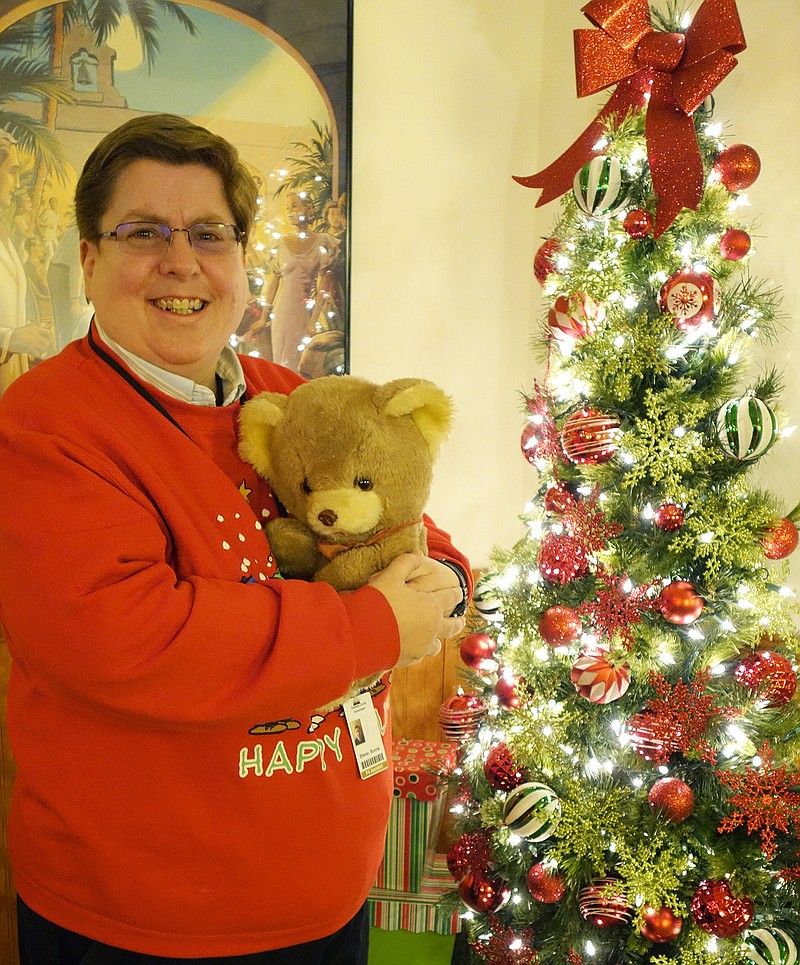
x=677, y=71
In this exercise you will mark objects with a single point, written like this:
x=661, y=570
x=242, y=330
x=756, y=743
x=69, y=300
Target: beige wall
x=452, y=97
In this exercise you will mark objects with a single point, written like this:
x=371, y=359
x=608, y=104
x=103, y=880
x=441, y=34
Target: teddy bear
x=352, y=464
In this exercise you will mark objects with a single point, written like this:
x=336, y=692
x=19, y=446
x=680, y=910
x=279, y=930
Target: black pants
x=43, y=943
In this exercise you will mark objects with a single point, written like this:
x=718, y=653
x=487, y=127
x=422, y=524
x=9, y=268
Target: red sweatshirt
x=175, y=795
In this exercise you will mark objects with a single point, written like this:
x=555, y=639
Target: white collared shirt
x=229, y=369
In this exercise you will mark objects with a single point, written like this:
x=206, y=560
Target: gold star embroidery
x=243, y=489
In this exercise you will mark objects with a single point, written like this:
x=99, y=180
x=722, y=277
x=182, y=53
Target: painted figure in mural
x=294, y=295
x=72, y=312
x=155, y=817
x=20, y=341
x=48, y=225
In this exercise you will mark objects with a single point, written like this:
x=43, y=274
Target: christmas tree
x=627, y=785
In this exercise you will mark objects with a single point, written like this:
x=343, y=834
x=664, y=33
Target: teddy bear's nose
x=327, y=517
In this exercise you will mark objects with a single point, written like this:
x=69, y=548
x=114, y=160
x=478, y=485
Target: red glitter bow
x=677, y=70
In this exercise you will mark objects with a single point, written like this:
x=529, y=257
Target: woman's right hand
x=33, y=340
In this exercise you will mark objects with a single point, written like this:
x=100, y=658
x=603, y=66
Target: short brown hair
x=172, y=140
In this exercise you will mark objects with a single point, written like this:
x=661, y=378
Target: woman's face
x=9, y=177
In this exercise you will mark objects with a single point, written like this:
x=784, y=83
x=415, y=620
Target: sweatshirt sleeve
x=94, y=610
x=440, y=547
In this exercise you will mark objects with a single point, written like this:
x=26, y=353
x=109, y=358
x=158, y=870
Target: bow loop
x=660, y=51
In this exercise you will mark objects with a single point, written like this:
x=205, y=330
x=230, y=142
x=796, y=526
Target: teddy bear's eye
x=364, y=483
x=305, y=487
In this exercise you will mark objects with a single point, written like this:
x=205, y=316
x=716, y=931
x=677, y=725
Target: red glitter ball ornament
x=483, y=894
x=738, y=167
x=734, y=244
x=638, y=223
x=477, y=651
x=501, y=770
x=660, y=924
x=768, y=674
x=544, y=263
x=558, y=499
x=604, y=903
x=590, y=436
x=680, y=603
x=544, y=886
x=673, y=798
x=717, y=911
x=669, y=516
x=780, y=540
x=562, y=558
x=691, y=298
x=559, y=626
x=507, y=691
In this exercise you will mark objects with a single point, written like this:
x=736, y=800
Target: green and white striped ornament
x=532, y=811
x=598, y=189
x=746, y=427
x=770, y=946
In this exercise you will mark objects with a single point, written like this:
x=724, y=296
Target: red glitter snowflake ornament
x=586, y=522
x=616, y=609
x=763, y=801
x=505, y=946
x=541, y=440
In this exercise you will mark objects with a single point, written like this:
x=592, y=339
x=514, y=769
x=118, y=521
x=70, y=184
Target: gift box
x=421, y=912
x=416, y=813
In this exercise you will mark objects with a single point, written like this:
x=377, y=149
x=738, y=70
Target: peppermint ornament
x=598, y=188
x=691, y=298
x=716, y=910
x=746, y=427
x=780, y=540
x=590, y=436
x=770, y=946
x=738, y=167
x=769, y=675
x=559, y=626
x=544, y=263
x=532, y=811
x=573, y=317
x=604, y=903
x=598, y=680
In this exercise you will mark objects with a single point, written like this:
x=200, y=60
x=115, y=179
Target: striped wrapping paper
x=395, y=910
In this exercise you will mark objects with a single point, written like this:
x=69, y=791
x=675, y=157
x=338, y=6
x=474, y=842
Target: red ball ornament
x=680, y=603
x=562, y=558
x=638, y=223
x=507, y=691
x=483, y=894
x=604, y=903
x=673, y=798
x=738, y=167
x=558, y=499
x=460, y=717
x=544, y=886
x=647, y=740
x=691, y=298
x=717, y=911
x=560, y=626
x=501, y=770
x=590, y=436
x=660, y=924
x=734, y=244
x=544, y=263
x=573, y=317
x=768, y=674
x=533, y=443
x=669, y=516
x=477, y=651
x=780, y=540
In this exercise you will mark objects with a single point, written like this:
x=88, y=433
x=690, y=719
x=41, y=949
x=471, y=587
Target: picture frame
x=274, y=78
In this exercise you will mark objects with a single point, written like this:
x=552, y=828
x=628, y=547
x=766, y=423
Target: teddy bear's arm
x=294, y=547
x=353, y=569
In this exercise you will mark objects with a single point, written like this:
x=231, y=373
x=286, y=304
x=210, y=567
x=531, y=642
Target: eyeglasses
x=149, y=237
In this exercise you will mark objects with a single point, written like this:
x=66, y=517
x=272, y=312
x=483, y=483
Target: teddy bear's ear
x=257, y=422
x=428, y=405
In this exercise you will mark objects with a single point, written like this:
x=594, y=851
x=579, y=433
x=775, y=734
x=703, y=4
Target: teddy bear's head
x=348, y=457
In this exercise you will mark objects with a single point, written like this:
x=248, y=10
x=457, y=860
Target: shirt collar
x=229, y=369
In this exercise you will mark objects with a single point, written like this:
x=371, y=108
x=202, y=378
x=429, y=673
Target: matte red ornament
x=604, y=903
x=501, y=770
x=507, y=691
x=673, y=798
x=558, y=499
x=734, y=244
x=680, y=603
x=590, y=436
x=660, y=924
x=483, y=894
x=691, y=298
x=780, y=540
x=560, y=626
x=562, y=558
x=717, y=911
x=738, y=167
x=769, y=675
x=544, y=886
x=669, y=516
x=544, y=260
x=477, y=651
x=638, y=223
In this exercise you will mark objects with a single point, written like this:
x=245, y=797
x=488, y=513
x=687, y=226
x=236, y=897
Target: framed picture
x=274, y=78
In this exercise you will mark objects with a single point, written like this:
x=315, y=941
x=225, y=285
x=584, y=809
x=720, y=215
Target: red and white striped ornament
x=598, y=680
x=573, y=317
x=590, y=436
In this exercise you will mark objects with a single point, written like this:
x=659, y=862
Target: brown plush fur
x=348, y=459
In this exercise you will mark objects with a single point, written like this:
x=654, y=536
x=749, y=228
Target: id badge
x=365, y=735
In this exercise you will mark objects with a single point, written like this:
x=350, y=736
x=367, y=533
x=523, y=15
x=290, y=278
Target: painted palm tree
x=311, y=168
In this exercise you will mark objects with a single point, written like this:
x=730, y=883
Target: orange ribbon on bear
x=671, y=73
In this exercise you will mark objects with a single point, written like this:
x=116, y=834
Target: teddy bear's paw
x=294, y=547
